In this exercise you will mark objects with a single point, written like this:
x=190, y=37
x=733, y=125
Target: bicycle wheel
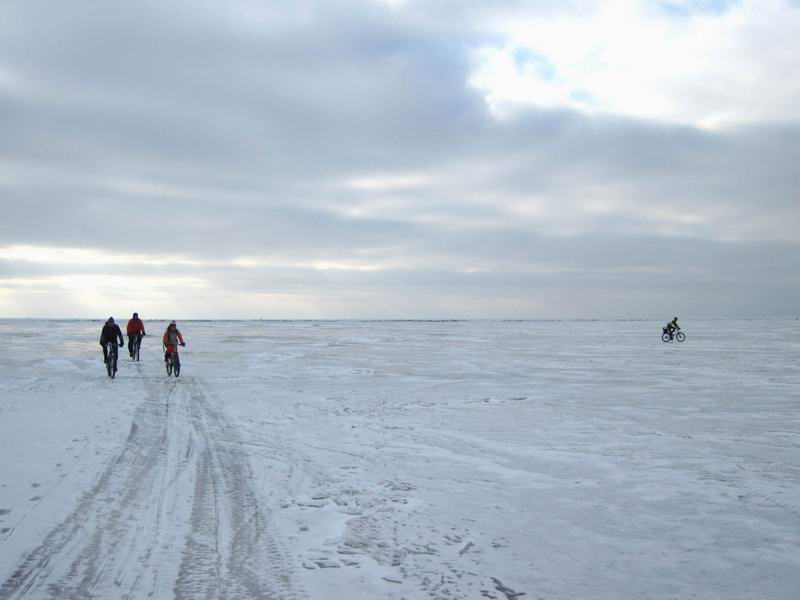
x=109, y=366
x=136, y=347
x=168, y=362
x=177, y=367
x=664, y=337
x=680, y=336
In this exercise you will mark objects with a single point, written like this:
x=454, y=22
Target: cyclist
x=109, y=334
x=172, y=337
x=135, y=329
x=672, y=327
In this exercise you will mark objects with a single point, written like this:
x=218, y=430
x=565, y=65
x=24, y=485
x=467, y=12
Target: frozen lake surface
x=403, y=460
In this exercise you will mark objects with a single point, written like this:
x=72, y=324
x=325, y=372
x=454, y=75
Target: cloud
x=340, y=158
x=700, y=63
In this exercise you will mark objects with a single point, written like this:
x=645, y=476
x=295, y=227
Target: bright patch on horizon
x=386, y=183
x=80, y=257
x=86, y=257
x=255, y=262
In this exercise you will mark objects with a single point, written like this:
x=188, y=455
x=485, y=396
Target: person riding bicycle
x=135, y=329
x=672, y=327
x=109, y=335
x=172, y=337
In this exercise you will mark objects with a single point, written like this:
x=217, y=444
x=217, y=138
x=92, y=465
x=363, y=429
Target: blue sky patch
x=525, y=58
x=687, y=8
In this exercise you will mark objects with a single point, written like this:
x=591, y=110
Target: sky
x=400, y=159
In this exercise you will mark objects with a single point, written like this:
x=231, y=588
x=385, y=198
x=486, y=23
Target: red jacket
x=135, y=326
x=171, y=339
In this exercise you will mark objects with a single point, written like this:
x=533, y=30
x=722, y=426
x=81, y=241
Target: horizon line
x=404, y=319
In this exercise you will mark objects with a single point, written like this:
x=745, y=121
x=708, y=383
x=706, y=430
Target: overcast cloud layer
x=391, y=159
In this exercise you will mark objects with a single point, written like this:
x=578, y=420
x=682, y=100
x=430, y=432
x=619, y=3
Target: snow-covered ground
x=403, y=460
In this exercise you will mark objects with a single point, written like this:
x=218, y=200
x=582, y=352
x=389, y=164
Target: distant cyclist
x=109, y=335
x=672, y=327
x=135, y=329
x=172, y=337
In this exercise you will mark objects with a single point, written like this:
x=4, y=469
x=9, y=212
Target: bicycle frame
x=137, y=344
x=173, y=362
x=112, y=356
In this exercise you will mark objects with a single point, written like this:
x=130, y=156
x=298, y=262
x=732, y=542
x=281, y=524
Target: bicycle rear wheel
x=664, y=337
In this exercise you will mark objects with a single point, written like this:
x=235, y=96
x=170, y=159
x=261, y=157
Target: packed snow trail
x=175, y=505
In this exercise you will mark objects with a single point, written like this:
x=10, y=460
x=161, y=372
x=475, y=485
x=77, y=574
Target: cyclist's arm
x=180, y=337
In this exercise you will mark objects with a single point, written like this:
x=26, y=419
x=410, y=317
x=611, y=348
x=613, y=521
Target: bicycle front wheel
x=680, y=336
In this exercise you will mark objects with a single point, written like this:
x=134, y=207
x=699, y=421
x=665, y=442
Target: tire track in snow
x=173, y=515
x=106, y=546
x=233, y=549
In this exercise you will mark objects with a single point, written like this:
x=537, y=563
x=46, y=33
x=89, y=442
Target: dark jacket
x=109, y=333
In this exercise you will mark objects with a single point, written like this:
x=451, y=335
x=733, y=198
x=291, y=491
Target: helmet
x=110, y=320
x=135, y=315
x=676, y=318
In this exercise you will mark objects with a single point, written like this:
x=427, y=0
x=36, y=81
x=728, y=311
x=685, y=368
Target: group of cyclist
x=172, y=337
x=111, y=332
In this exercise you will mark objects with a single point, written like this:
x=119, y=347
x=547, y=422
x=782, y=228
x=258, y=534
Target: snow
x=403, y=460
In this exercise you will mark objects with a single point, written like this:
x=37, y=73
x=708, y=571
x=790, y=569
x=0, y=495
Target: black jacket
x=109, y=333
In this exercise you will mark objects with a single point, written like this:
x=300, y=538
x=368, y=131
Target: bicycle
x=173, y=363
x=137, y=344
x=111, y=358
x=666, y=336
